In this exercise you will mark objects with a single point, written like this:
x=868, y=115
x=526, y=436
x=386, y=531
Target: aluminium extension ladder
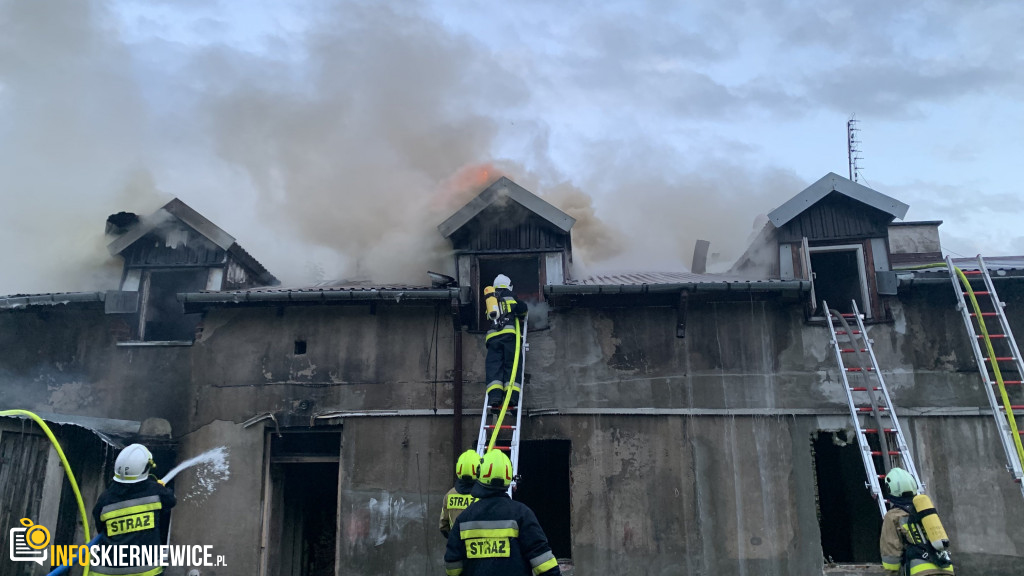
x=507, y=434
x=1001, y=393
x=870, y=405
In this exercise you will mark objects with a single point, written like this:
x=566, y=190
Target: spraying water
x=213, y=469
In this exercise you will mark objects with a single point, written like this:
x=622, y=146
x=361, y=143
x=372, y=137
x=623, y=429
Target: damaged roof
x=202, y=226
x=833, y=182
x=114, y=432
x=501, y=188
x=16, y=301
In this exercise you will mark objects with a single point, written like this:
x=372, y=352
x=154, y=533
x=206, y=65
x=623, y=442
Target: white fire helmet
x=502, y=281
x=132, y=464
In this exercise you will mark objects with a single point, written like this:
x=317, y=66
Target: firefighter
x=132, y=509
x=459, y=498
x=502, y=343
x=498, y=536
x=905, y=548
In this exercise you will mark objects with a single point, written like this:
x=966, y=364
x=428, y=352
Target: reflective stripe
x=921, y=566
x=495, y=386
x=489, y=533
x=489, y=524
x=126, y=571
x=546, y=566
x=537, y=562
x=891, y=566
x=453, y=568
x=132, y=506
x=504, y=331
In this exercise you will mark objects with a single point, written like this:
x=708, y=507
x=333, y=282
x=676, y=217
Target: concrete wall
x=717, y=478
x=64, y=359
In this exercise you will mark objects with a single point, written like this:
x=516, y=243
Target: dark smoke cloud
x=329, y=149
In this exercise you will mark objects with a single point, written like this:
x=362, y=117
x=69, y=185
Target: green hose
x=64, y=461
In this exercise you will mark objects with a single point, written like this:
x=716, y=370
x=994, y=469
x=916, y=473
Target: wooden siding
x=151, y=250
x=507, y=229
x=836, y=217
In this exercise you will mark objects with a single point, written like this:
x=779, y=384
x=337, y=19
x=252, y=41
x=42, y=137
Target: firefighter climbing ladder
x=499, y=431
x=991, y=365
x=870, y=404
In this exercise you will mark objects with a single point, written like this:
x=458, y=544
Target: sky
x=331, y=138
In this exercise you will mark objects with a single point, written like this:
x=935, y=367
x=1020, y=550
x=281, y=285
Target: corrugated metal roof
x=16, y=301
x=640, y=278
x=833, y=182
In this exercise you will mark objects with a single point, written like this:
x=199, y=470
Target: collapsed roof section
x=160, y=238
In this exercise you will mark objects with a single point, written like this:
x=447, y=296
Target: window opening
x=839, y=278
x=524, y=272
x=544, y=486
x=847, y=515
x=163, y=317
x=300, y=347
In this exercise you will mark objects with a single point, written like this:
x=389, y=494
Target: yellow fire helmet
x=468, y=465
x=496, y=469
x=900, y=482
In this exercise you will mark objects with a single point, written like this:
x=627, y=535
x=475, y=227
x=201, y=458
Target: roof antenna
x=851, y=147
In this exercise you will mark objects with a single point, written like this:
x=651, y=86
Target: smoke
x=330, y=149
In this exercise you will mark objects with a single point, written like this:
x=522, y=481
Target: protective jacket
x=131, y=514
x=511, y=310
x=497, y=536
x=903, y=546
x=455, y=501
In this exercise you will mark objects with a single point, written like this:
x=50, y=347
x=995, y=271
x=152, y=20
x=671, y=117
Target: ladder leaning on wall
x=879, y=436
x=985, y=338
x=501, y=436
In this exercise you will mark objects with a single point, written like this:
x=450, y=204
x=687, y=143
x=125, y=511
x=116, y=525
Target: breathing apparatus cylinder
x=491, y=304
x=929, y=519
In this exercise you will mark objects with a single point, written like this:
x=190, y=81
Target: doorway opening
x=523, y=270
x=301, y=536
x=847, y=514
x=839, y=278
x=545, y=486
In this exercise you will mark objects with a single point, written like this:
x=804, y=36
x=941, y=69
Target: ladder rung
x=1002, y=359
x=864, y=389
x=875, y=430
x=860, y=369
x=851, y=350
x=1013, y=407
x=1005, y=382
x=506, y=448
x=973, y=315
x=844, y=332
x=979, y=293
x=971, y=272
x=891, y=452
x=503, y=427
x=992, y=336
x=868, y=409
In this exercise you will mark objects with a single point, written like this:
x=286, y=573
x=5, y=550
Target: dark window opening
x=163, y=316
x=303, y=501
x=837, y=281
x=300, y=347
x=848, y=516
x=544, y=486
x=524, y=271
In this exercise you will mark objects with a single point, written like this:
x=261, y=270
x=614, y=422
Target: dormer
x=174, y=250
x=836, y=233
x=509, y=230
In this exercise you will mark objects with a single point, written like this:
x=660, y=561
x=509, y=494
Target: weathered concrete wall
x=65, y=360
x=723, y=485
x=357, y=358
x=222, y=512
